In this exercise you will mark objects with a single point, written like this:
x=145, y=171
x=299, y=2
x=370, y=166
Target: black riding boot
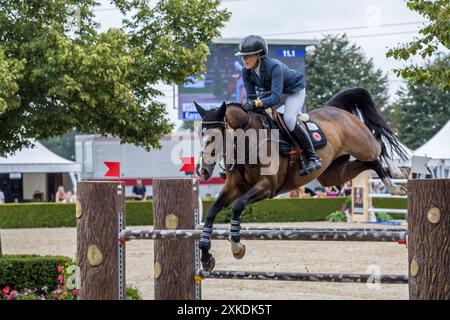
x=304, y=141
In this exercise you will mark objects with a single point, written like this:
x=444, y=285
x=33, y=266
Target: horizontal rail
x=306, y=235
x=199, y=227
x=294, y=276
x=386, y=195
x=399, y=211
x=392, y=180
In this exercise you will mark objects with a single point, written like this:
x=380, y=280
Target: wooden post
x=175, y=202
x=100, y=212
x=429, y=239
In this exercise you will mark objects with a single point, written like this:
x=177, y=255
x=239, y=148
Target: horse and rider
x=352, y=145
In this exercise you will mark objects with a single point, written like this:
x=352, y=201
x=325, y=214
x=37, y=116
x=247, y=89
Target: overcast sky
x=375, y=25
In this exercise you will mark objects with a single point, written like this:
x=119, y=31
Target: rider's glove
x=252, y=104
x=249, y=105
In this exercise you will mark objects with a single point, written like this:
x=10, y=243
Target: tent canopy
x=438, y=146
x=37, y=159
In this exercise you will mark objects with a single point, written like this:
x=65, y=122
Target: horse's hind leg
x=395, y=171
x=342, y=170
x=392, y=188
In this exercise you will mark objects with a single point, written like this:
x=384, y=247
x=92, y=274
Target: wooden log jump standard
x=100, y=212
x=429, y=239
x=175, y=205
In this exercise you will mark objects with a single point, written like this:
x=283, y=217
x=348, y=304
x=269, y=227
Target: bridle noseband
x=223, y=126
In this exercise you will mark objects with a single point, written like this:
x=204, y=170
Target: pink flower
x=60, y=279
x=74, y=292
x=5, y=290
x=10, y=297
x=14, y=293
x=59, y=268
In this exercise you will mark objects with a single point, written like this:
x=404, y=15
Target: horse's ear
x=221, y=111
x=199, y=109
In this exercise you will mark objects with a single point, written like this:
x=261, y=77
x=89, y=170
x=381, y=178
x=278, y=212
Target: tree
x=187, y=125
x=432, y=36
x=59, y=72
x=422, y=110
x=336, y=64
x=64, y=145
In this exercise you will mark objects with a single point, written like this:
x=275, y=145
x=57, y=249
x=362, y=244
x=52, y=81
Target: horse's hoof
x=399, y=190
x=238, y=250
x=210, y=264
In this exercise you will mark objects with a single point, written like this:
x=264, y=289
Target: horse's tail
x=359, y=102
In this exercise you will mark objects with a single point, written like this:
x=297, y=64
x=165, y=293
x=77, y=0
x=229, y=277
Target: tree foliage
x=435, y=34
x=59, y=72
x=336, y=64
x=422, y=110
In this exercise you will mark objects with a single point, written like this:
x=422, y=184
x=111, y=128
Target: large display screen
x=223, y=78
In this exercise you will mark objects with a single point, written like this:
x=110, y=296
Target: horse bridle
x=223, y=126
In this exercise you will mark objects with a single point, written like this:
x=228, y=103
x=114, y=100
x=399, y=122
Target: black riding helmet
x=251, y=45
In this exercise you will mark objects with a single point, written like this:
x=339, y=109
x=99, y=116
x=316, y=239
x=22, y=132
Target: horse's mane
x=233, y=104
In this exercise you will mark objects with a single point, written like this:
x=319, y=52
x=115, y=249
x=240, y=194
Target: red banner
x=188, y=164
x=113, y=169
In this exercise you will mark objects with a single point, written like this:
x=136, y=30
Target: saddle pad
x=316, y=134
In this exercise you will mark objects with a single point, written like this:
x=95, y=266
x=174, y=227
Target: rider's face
x=250, y=61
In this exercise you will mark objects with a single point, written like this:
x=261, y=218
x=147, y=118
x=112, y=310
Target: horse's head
x=212, y=131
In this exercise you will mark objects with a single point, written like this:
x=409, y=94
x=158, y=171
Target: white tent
x=438, y=148
x=33, y=165
x=36, y=159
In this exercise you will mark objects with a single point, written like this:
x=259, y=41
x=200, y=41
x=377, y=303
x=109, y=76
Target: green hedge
x=52, y=215
x=30, y=271
x=56, y=215
x=391, y=203
x=284, y=210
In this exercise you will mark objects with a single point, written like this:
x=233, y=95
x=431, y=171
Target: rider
x=272, y=75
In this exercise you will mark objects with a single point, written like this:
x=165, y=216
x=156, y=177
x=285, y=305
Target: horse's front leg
x=260, y=191
x=225, y=198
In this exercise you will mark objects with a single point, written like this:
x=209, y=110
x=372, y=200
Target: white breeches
x=292, y=108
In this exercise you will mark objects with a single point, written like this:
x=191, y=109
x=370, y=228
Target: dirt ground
x=281, y=256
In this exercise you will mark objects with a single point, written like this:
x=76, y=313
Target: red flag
x=113, y=169
x=188, y=164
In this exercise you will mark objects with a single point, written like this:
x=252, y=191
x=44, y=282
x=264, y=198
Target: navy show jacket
x=274, y=76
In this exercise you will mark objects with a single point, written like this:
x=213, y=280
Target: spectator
x=71, y=198
x=139, y=190
x=2, y=196
x=320, y=191
x=208, y=196
x=60, y=195
x=346, y=189
x=294, y=194
x=332, y=191
x=38, y=196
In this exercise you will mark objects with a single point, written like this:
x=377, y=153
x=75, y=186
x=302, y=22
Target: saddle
x=287, y=144
x=288, y=147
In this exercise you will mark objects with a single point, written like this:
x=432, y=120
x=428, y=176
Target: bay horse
x=353, y=127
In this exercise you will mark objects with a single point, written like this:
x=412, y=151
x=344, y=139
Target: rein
x=224, y=125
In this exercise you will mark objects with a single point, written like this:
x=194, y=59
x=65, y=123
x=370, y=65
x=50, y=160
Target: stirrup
x=310, y=166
